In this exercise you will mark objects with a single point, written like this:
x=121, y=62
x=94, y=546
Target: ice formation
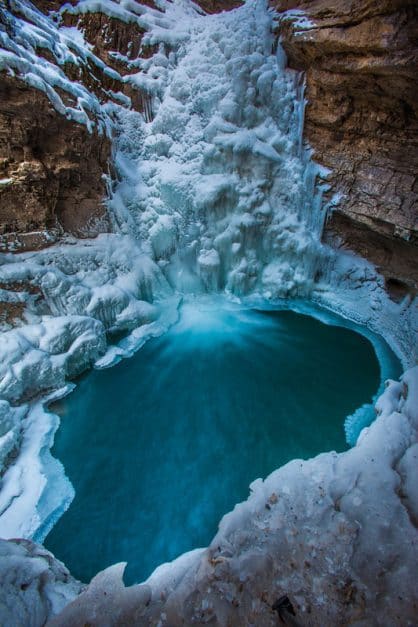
x=34, y=584
x=20, y=43
x=217, y=186
x=216, y=192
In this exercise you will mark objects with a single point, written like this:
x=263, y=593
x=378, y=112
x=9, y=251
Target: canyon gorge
x=158, y=160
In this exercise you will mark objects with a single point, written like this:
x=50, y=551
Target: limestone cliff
x=51, y=171
x=52, y=167
x=360, y=60
x=333, y=538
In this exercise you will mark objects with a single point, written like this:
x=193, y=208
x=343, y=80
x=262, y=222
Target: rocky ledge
x=360, y=60
x=332, y=539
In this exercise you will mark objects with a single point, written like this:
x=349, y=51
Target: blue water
x=160, y=446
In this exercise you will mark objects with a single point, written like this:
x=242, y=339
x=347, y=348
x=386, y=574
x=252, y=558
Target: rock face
x=51, y=168
x=50, y=5
x=51, y=171
x=361, y=65
x=117, y=44
x=312, y=530
x=360, y=60
x=216, y=6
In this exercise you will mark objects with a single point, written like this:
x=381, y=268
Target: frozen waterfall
x=215, y=182
x=215, y=192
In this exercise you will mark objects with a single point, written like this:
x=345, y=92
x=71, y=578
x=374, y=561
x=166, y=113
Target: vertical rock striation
x=51, y=171
x=360, y=60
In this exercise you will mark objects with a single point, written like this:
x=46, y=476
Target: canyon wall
x=360, y=63
x=50, y=167
x=360, y=60
x=51, y=170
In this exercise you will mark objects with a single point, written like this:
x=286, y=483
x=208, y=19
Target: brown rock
x=109, y=37
x=50, y=170
x=210, y=6
x=360, y=60
x=46, y=6
x=11, y=313
x=217, y=6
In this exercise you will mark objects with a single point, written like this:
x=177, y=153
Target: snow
x=216, y=192
x=299, y=19
x=72, y=33
x=352, y=287
x=24, y=496
x=37, y=357
x=20, y=45
x=34, y=584
x=223, y=183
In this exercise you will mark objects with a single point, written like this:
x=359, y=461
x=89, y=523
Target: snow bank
x=34, y=487
x=34, y=584
x=83, y=292
x=39, y=357
x=351, y=287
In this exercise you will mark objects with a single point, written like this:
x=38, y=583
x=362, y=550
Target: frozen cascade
x=215, y=192
x=218, y=187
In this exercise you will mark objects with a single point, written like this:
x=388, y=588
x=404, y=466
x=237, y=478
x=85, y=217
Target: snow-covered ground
x=216, y=192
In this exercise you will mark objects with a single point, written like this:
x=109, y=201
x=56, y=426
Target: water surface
x=160, y=446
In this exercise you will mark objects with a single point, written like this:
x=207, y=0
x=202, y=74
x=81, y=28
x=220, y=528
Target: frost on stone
x=22, y=42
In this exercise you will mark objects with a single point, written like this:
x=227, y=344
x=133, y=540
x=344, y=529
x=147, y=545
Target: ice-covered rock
x=221, y=173
x=33, y=584
x=39, y=357
x=107, y=601
x=10, y=431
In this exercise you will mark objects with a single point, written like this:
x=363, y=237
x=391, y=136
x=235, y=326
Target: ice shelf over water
x=215, y=192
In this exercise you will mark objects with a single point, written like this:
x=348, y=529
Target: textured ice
x=216, y=192
x=34, y=584
x=218, y=182
x=34, y=487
